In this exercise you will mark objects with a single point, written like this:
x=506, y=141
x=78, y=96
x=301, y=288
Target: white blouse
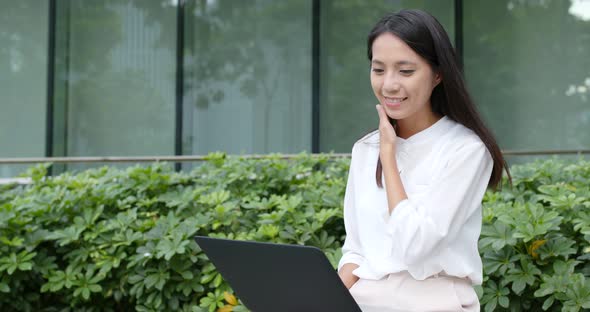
x=445, y=170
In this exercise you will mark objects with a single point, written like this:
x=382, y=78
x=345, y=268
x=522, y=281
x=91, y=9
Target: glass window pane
x=247, y=76
x=23, y=76
x=116, y=77
x=347, y=105
x=528, y=67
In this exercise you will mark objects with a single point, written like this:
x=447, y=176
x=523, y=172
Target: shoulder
x=365, y=147
x=462, y=140
x=369, y=138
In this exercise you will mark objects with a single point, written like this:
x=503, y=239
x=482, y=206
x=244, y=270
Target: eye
x=377, y=70
x=407, y=71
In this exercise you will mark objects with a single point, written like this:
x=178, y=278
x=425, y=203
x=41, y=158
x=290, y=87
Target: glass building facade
x=173, y=77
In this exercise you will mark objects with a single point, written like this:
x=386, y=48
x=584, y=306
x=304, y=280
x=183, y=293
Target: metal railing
x=123, y=159
x=119, y=159
x=546, y=152
x=177, y=159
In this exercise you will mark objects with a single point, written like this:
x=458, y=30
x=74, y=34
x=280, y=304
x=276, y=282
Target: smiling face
x=402, y=80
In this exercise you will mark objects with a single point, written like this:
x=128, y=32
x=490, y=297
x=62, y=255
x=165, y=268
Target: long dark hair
x=427, y=37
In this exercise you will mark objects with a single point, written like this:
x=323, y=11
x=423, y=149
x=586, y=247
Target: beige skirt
x=400, y=292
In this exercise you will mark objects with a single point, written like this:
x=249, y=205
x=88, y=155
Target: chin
x=397, y=115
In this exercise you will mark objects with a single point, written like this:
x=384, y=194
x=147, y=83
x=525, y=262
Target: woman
x=412, y=207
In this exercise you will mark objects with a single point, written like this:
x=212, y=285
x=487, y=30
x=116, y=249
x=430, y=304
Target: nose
x=391, y=84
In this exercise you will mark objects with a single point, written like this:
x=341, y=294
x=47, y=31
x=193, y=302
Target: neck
x=407, y=127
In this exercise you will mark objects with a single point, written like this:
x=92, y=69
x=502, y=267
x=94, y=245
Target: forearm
x=393, y=183
x=346, y=275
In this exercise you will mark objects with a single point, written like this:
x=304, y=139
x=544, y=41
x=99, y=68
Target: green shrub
x=535, y=241
x=120, y=240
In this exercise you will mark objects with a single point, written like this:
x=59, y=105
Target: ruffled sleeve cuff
x=350, y=258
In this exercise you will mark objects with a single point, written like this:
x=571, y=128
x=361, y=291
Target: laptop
x=271, y=277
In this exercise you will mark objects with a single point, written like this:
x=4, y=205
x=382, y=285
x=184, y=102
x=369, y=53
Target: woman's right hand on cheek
x=387, y=135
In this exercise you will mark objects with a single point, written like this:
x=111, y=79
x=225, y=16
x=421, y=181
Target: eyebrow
x=378, y=62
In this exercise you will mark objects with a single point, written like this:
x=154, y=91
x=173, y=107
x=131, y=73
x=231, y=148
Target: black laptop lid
x=271, y=277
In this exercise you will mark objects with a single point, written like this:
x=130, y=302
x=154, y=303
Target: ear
x=437, y=79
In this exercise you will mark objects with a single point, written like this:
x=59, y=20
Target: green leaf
x=95, y=288
x=578, y=292
x=151, y=280
x=217, y=281
x=535, y=221
x=558, y=281
x=4, y=287
x=560, y=247
x=496, y=236
x=518, y=286
x=491, y=306
x=525, y=273
x=503, y=301
x=548, y=303
x=85, y=293
x=187, y=275
x=133, y=279
x=500, y=261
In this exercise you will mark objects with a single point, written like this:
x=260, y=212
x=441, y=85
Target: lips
x=394, y=101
